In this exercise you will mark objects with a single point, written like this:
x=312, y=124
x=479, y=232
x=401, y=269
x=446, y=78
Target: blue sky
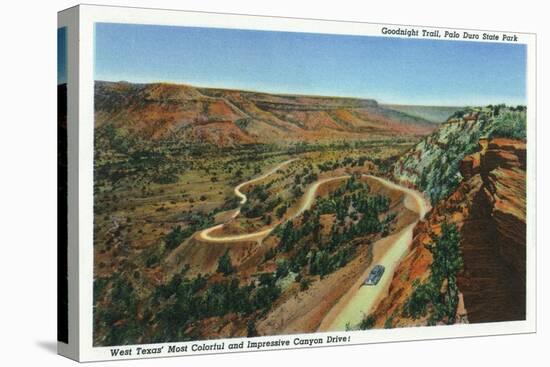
x=391, y=70
x=61, y=55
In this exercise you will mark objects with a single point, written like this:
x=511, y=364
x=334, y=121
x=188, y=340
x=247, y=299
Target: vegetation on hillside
x=178, y=305
x=437, y=298
x=433, y=164
x=510, y=124
x=356, y=214
x=224, y=264
x=302, y=255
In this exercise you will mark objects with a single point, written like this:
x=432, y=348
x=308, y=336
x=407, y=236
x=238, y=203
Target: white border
x=90, y=14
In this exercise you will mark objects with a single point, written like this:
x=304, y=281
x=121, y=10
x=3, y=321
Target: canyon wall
x=488, y=207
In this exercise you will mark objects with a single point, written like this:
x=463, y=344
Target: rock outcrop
x=489, y=209
x=503, y=174
x=439, y=162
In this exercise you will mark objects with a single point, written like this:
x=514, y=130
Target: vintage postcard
x=248, y=183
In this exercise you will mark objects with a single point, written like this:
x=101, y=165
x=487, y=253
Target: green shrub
x=304, y=284
x=251, y=329
x=510, y=124
x=367, y=322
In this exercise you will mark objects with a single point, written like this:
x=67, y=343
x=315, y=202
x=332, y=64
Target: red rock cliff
x=488, y=207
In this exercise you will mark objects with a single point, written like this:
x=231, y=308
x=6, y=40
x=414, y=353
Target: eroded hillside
x=232, y=117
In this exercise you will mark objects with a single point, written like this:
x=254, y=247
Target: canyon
x=488, y=207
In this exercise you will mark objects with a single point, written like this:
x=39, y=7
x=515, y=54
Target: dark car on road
x=375, y=275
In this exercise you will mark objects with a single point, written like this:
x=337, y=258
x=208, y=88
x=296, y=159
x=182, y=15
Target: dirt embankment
x=489, y=209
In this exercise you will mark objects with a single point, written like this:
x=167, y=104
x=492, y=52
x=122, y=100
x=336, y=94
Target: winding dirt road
x=205, y=235
x=306, y=202
x=360, y=300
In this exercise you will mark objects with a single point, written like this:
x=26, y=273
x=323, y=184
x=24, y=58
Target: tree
x=439, y=295
x=251, y=329
x=316, y=224
x=282, y=269
x=288, y=237
x=281, y=211
x=267, y=292
x=445, y=267
x=320, y=264
x=224, y=264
